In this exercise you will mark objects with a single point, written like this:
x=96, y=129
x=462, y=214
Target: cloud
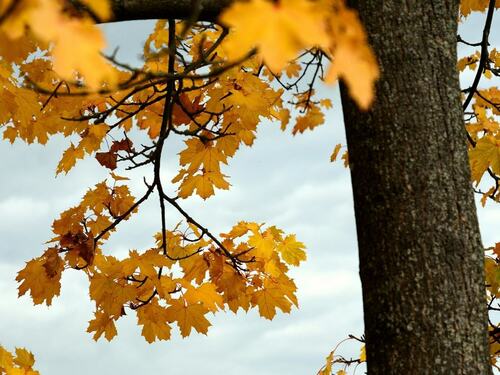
x=14, y=207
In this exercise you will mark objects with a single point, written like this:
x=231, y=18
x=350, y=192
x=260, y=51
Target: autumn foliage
x=212, y=85
x=20, y=363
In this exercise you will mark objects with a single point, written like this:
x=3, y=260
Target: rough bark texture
x=421, y=260
x=126, y=10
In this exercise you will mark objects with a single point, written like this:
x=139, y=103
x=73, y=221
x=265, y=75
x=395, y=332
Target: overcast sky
x=282, y=180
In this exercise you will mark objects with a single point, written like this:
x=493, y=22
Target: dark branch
x=128, y=10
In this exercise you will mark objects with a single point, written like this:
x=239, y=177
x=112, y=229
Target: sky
x=282, y=180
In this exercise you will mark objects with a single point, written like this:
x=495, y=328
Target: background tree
x=204, y=84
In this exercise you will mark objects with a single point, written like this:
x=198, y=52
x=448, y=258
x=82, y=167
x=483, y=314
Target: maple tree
x=210, y=79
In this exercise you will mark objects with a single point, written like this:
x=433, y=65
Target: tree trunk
x=421, y=258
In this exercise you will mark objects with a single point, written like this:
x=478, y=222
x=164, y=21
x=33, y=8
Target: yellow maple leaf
x=345, y=157
x=487, y=195
x=263, y=245
x=102, y=324
x=199, y=154
x=236, y=292
x=280, y=30
x=6, y=359
x=326, y=103
x=194, y=268
x=327, y=368
x=293, y=70
x=69, y=158
x=313, y=118
x=101, y=8
x=284, y=117
x=165, y=286
x=21, y=364
x=146, y=262
x=492, y=272
x=291, y=250
x=352, y=58
x=76, y=41
x=69, y=221
x=272, y=267
x=10, y=133
x=188, y=316
x=468, y=61
x=97, y=199
x=485, y=154
x=149, y=121
x=240, y=229
x=469, y=6
x=205, y=294
x=35, y=279
x=335, y=152
x=110, y=295
x=121, y=200
x=92, y=137
x=86, y=59
x=5, y=70
x=53, y=265
x=203, y=184
x=24, y=358
x=17, y=52
x=270, y=298
x=117, y=177
x=362, y=354
x=155, y=321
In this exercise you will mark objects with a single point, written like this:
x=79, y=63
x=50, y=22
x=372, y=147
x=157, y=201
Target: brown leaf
x=80, y=243
x=53, y=263
x=496, y=249
x=107, y=159
x=86, y=250
x=182, y=113
x=123, y=145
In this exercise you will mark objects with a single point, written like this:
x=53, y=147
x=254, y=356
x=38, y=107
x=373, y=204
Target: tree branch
x=127, y=10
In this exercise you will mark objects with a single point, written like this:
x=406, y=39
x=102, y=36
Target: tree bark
x=420, y=252
x=127, y=10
